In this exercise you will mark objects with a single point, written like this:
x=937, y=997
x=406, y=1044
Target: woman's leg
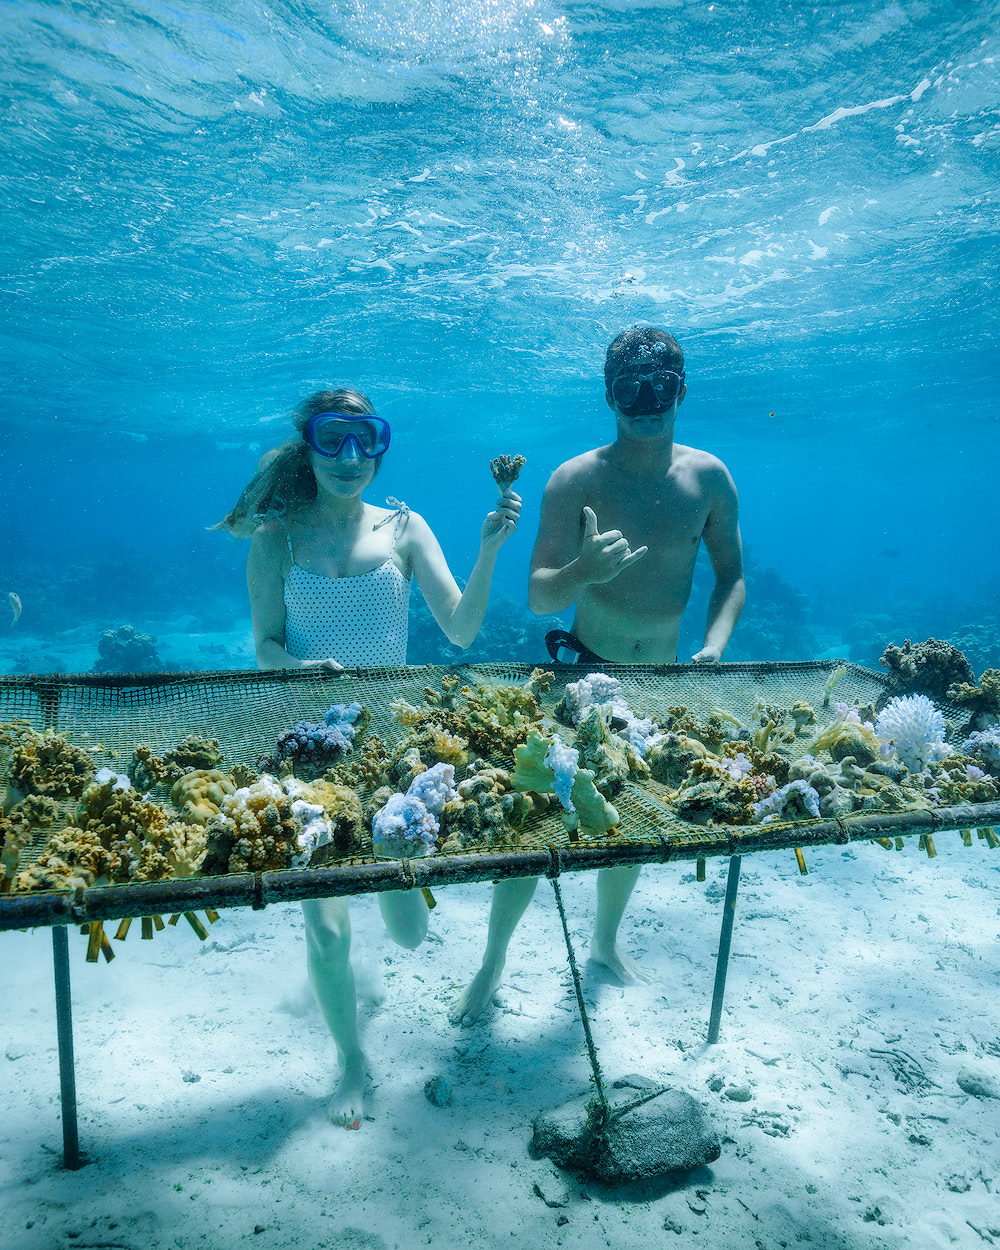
x=510, y=900
x=405, y=916
x=328, y=954
x=614, y=889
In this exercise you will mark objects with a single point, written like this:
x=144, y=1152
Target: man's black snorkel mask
x=646, y=386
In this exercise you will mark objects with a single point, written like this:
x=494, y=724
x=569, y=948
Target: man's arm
x=566, y=559
x=722, y=540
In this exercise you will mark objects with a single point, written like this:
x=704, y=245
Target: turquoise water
x=211, y=209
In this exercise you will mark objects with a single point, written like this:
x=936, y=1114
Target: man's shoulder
x=579, y=470
x=696, y=458
x=701, y=464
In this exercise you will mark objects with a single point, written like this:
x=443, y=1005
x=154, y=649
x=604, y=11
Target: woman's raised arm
x=459, y=614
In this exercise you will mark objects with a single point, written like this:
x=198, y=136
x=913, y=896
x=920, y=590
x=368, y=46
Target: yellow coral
x=198, y=795
x=183, y=847
x=405, y=714
x=342, y=807
x=847, y=737
x=45, y=763
x=256, y=831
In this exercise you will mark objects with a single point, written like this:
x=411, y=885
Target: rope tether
x=600, y=1112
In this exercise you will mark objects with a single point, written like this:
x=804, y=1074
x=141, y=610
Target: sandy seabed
x=856, y=996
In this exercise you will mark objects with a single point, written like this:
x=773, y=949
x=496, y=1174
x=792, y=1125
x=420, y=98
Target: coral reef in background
x=510, y=633
x=124, y=650
x=776, y=622
x=927, y=668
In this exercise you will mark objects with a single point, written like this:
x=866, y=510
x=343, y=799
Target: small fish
x=15, y=606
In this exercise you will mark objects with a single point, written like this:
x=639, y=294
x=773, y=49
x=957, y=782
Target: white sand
x=203, y=1072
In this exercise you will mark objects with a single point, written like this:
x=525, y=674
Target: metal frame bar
x=64, y=1033
x=725, y=941
x=256, y=890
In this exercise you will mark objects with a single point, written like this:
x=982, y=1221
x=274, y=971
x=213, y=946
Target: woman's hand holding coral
x=501, y=522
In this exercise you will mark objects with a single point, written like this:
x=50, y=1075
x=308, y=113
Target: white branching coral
x=604, y=692
x=915, y=728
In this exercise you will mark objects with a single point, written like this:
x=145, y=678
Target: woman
x=329, y=578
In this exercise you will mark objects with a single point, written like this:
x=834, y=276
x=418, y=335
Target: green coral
x=612, y=759
x=592, y=814
x=847, y=737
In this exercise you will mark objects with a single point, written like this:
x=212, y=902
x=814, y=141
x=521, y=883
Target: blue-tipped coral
x=407, y=826
x=318, y=745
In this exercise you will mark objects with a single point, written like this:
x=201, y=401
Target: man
x=630, y=583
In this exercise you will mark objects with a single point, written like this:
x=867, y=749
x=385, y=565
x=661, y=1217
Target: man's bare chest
x=668, y=517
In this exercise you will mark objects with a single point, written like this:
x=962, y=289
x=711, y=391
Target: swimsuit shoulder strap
x=399, y=513
x=288, y=537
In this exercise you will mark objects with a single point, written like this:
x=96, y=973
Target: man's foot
x=622, y=967
x=475, y=998
x=347, y=1107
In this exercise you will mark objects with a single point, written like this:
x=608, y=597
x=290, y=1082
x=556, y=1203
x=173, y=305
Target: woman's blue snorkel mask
x=328, y=433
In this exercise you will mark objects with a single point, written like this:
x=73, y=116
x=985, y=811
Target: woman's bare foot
x=347, y=1107
x=622, y=967
x=476, y=997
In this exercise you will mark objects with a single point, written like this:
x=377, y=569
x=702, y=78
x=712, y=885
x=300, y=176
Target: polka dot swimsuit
x=357, y=620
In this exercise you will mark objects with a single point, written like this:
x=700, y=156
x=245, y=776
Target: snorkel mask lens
x=646, y=387
x=328, y=432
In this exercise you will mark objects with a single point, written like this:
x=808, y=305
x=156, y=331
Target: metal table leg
x=725, y=941
x=64, y=1031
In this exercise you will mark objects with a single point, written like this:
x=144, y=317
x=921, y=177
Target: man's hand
x=603, y=556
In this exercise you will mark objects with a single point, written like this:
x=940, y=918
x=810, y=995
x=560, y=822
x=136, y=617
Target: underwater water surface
x=210, y=210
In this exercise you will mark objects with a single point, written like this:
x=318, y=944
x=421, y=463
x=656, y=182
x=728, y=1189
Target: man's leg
x=510, y=900
x=614, y=888
x=328, y=953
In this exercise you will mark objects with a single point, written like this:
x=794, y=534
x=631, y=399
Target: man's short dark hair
x=627, y=346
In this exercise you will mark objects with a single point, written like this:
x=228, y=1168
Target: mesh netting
x=247, y=711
